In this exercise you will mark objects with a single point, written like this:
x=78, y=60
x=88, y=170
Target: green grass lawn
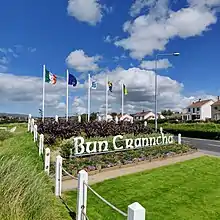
x=25, y=190
x=185, y=191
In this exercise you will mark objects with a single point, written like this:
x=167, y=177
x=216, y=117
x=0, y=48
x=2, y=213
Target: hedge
x=196, y=130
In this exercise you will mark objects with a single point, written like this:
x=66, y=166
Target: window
x=188, y=109
x=198, y=109
x=216, y=108
x=193, y=110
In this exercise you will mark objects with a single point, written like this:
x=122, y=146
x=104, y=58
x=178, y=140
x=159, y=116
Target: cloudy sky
x=118, y=39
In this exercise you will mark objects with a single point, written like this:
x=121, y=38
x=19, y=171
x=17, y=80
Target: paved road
x=204, y=145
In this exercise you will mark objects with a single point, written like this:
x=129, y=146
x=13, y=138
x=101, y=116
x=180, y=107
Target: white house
x=102, y=117
x=148, y=115
x=126, y=117
x=215, y=109
x=200, y=110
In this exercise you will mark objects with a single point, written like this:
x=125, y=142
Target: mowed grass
x=25, y=190
x=185, y=191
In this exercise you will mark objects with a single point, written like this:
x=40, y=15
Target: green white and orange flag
x=50, y=77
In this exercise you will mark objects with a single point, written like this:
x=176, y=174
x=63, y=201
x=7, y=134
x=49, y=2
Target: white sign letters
x=93, y=147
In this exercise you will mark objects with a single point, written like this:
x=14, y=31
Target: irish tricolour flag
x=50, y=77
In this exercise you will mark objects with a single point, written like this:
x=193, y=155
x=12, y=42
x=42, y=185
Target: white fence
x=39, y=139
x=134, y=211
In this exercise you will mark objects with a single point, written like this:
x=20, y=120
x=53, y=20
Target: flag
x=72, y=80
x=125, y=90
x=50, y=77
x=110, y=86
x=93, y=85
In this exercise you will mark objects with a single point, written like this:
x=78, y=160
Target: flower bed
x=98, y=162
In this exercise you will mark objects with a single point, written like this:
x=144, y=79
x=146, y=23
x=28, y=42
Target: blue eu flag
x=72, y=80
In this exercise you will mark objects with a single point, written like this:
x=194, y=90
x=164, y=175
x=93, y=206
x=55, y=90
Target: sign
x=96, y=147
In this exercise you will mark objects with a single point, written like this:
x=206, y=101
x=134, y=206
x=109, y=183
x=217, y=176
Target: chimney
x=143, y=110
x=218, y=97
x=199, y=100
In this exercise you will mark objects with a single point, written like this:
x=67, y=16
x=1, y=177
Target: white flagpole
x=89, y=91
x=122, y=99
x=67, y=94
x=44, y=73
x=106, y=99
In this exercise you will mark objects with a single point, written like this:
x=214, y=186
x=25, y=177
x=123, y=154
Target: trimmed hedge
x=194, y=130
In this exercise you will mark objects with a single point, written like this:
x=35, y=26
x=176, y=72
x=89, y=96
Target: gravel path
x=99, y=177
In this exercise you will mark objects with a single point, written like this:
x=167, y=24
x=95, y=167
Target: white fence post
x=56, y=118
x=32, y=125
x=136, y=212
x=179, y=138
x=35, y=133
x=82, y=195
x=79, y=118
x=58, y=179
x=99, y=118
x=41, y=144
x=116, y=119
x=29, y=122
x=47, y=161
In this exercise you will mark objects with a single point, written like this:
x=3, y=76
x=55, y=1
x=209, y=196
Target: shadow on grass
x=71, y=213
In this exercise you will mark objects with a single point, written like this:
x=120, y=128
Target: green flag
x=50, y=77
x=125, y=90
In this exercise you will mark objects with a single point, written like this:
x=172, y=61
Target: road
x=204, y=145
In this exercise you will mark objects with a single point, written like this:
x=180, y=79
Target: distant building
x=215, y=110
x=148, y=115
x=103, y=117
x=126, y=117
x=200, y=110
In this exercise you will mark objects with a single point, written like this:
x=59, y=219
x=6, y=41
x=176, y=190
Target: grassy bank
x=25, y=190
x=184, y=191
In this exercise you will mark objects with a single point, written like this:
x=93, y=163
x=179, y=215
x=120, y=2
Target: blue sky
x=47, y=32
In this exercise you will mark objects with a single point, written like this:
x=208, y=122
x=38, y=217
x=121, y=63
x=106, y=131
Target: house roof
x=141, y=114
x=199, y=103
x=217, y=103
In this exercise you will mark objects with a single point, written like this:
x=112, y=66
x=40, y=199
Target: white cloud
x=4, y=60
x=107, y=39
x=3, y=68
x=154, y=30
x=138, y=5
x=82, y=62
x=32, y=49
x=79, y=105
x=161, y=64
x=117, y=58
x=140, y=85
x=90, y=11
x=27, y=90
x=110, y=39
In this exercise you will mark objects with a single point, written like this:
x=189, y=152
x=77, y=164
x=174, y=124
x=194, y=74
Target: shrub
x=64, y=130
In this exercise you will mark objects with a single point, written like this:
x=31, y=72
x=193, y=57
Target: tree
x=166, y=112
x=93, y=116
x=113, y=114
